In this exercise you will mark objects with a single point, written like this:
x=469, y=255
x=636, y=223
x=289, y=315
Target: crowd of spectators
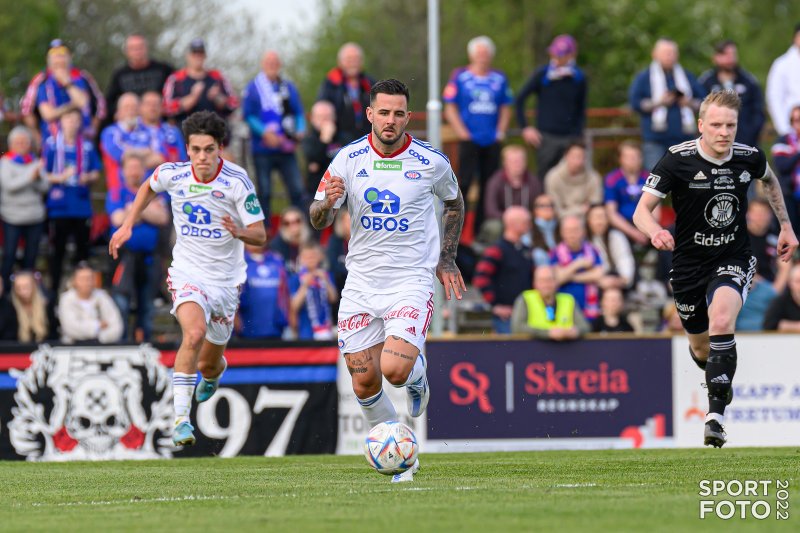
x=556, y=254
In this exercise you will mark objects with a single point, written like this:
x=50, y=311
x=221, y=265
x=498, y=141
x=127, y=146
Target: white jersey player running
x=215, y=212
x=389, y=183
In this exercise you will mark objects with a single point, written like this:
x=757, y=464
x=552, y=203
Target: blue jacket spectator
x=170, y=139
x=727, y=74
x=347, y=87
x=478, y=107
x=51, y=92
x=264, y=302
x=666, y=97
x=273, y=110
x=136, y=275
x=561, y=89
x=71, y=164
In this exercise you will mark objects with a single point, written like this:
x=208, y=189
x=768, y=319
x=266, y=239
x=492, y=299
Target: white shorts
x=219, y=304
x=367, y=319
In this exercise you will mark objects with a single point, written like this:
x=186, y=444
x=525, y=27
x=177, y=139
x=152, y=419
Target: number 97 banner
x=115, y=402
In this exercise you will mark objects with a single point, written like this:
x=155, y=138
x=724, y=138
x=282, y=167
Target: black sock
x=720, y=368
x=698, y=362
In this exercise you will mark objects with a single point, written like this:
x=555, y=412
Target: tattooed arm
x=787, y=241
x=322, y=212
x=446, y=270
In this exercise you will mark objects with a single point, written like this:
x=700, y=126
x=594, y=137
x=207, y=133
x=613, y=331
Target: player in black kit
x=712, y=265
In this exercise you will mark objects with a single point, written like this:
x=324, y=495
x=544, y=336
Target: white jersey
x=203, y=246
x=394, y=239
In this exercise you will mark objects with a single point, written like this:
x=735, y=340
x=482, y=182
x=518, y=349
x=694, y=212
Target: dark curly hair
x=205, y=123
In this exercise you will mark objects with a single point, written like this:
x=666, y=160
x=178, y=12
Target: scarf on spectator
x=658, y=88
x=276, y=105
x=21, y=159
x=319, y=310
x=60, y=162
x=563, y=255
x=554, y=72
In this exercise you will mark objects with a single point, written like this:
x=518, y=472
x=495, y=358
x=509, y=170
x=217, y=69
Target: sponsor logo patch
x=195, y=188
x=217, y=194
x=251, y=204
x=383, y=164
x=412, y=175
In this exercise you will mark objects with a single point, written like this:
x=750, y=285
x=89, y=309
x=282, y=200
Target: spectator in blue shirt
x=274, y=112
x=579, y=266
x=313, y=291
x=478, y=107
x=170, y=139
x=667, y=97
x=61, y=87
x=623, y=188
x=560, y=88
x=264, y=301
x=136, y=275
x=72, y=165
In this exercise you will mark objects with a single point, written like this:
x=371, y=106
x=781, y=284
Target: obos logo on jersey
x=384, y=203
x=197, y=214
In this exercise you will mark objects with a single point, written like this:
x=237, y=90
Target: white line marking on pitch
x=574, y=485
x=132, y=500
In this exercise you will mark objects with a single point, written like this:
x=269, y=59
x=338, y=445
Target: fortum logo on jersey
x=384, y=203
x=199, y=215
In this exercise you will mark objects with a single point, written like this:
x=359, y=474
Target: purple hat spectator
x=563, y=45
x=197, y=46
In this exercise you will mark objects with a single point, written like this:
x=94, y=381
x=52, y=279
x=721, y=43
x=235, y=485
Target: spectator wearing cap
x=71, y=166
x=783, y=85
x=512, y=184
x=727, y=74
x=666, y=96
x=139, y=74
x=22, y=186
x=347, y=87
x=59, y=88
x=505, y=268
x=274, y=113
x=196, y=88
x=478, y=107
x=560, y=88
x=136, y=274
x=87, y=313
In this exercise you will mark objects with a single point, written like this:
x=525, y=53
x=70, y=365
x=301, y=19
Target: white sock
x=716, y=416
x=182, y=390
x=377, y=409
x=416, y=373
x=219, y=376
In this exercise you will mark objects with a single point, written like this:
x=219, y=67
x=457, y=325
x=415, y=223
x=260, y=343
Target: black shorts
x=692, y=302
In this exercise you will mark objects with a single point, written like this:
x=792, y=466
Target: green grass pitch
x=587, y=491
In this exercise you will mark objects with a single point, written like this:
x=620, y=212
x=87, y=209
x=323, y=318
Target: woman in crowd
x=545, y=229
x=22, y=209
x=614, y=247
x=31, y=306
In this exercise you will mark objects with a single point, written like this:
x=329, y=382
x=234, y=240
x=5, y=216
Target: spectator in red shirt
x=196, y=88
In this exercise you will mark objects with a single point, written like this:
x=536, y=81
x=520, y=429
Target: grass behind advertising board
x=626, y=490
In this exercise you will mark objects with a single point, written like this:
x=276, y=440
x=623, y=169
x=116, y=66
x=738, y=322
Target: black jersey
x=710, y=201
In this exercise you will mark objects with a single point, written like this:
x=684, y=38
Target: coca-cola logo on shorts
x=354, y=322
x=407, y=311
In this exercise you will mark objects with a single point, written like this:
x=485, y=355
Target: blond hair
x=725, y=98
x=35, y=320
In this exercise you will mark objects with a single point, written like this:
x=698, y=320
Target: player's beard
x=389, y=143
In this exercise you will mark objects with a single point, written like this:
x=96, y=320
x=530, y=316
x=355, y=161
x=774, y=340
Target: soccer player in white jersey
x=215, y=211
x=389, y=184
